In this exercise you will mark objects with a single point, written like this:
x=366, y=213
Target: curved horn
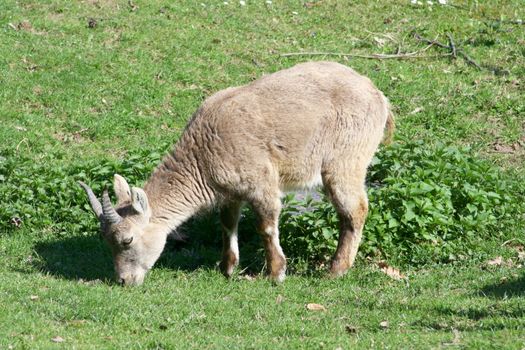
x=95, y=203
x=110, y=214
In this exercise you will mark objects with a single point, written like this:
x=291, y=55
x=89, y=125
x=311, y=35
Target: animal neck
x=176, y=191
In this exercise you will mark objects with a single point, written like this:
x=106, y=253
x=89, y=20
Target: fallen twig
x=24, y=140
x=470, y=60
x=518, y=21
x=372, y=56
x=454, y=51
x=378, y=56
x=452, y=46
x=430, y=42
x=506, y=21
x=510, y=241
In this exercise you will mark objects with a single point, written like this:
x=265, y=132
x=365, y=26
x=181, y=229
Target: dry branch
x=452, y=46
x=378, y=56
x=454, y=51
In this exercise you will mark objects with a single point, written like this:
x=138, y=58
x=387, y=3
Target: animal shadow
x=76, y=258
x=506, y=289
x=196, y=245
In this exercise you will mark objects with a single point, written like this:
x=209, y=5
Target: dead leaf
x=25, y=25
x=279, y=299
x=390, y=271
x=384, y=324
x=34, y=297
x=496, y=261
x=417, y=110
x=517, y=247
x=521, y=255
x=310, y=4
x=247, y=277
x=76, y=323
x=456, y=340
x=132, y=6
x=503, y=148
x=380, y=41
x=16, y=221
x=58, y=339
x=315, y=307
x=30, y=66
x=89, y=282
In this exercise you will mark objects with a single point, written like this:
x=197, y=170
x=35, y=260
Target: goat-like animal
x=315, y=123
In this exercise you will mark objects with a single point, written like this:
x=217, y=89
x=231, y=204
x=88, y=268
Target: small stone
x=92, y=23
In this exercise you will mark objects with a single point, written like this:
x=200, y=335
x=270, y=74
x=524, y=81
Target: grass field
x=91, y=87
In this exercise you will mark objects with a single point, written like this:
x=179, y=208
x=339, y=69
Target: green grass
x=200, y=309
x=74, y=97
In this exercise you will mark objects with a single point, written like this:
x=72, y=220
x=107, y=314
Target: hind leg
x=229, y=217
x=347, y=192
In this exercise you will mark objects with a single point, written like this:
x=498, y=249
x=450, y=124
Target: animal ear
x=139, y=200
x=122, y=190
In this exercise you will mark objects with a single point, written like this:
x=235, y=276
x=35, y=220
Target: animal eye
x=127, y=241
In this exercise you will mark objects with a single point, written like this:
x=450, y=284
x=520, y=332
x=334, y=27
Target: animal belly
x=292, y=182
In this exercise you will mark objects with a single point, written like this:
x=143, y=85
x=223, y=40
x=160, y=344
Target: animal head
x=124, y=228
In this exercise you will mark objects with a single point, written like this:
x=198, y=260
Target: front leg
x=229, y=216
x=268, y=214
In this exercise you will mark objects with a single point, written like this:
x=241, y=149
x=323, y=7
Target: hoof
x=226, y=269
x=338, y=269
x=279, y=277
x=228, y=264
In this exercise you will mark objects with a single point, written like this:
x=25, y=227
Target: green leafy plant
x=46, y=195
x=308, y=229
x=427, y=204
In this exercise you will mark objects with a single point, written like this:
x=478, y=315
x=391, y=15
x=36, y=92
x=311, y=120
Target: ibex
x=315, y=123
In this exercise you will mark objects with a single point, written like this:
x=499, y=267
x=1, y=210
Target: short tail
x=390, y=126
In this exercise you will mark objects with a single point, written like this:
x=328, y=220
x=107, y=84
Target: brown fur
x=314, y=123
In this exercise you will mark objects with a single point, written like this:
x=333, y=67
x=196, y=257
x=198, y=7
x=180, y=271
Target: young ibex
x=314, y=123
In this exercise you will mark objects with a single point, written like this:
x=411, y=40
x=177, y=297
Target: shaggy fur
x=315, y=123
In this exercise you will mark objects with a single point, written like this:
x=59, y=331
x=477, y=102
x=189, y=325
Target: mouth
x=130, y=281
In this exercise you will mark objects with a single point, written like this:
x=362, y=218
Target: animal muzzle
x=130, y=280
